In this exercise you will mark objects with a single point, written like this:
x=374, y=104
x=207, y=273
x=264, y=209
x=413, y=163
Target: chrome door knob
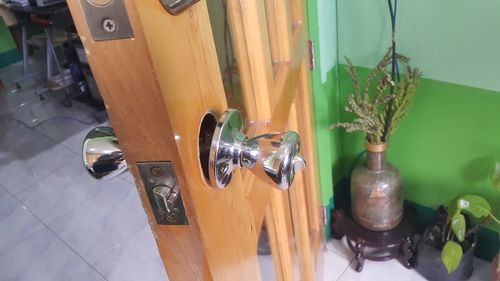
x=273, y=157
x=102, y=154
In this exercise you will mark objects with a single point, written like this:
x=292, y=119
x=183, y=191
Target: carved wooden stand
x=376, y=245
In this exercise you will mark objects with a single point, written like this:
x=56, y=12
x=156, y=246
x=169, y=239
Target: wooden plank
x=291, y=52
x=272, y=24
x=189, y=68
x=135, y=105
x=249, y=19
x=242, y=56
x=283, y=244
x=279, y=20
x=275, y=249
x=308, y=146
x=287, y=80
x=307, y=128
x=299, y=210
x=253, y=54
x=297, y=7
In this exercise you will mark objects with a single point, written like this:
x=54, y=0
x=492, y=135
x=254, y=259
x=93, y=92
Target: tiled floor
x=59, y=224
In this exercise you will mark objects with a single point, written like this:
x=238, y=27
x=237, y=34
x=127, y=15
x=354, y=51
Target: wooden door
x=158, y=87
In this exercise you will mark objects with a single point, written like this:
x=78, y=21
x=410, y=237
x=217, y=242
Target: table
x=376, y=245
x=47, y=17
x=58, y=12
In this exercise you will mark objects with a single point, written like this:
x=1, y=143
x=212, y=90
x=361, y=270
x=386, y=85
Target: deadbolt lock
x=165, y=197
x=162, y=188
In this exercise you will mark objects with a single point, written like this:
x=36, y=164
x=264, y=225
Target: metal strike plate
x=163, y=192
x=174, y=7
x=107, y=19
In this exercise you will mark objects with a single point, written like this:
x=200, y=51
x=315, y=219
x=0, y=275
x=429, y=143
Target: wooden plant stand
x=376, y=245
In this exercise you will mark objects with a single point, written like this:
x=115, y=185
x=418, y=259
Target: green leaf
x=495, y=176
x=475, y=205
x=451, y=256
x=458, y=226
x=453, y=207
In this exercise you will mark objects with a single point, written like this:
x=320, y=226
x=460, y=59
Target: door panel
x=145, y=133
x=225, y=217
x=159, y=85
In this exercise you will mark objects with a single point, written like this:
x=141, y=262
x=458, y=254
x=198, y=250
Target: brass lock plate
x=107, y=19
x=163, y=192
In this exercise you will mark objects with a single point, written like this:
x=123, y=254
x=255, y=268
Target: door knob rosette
x=271, y=157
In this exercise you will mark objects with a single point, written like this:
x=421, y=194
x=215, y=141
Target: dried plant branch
x=404, y=92
x=370, y=106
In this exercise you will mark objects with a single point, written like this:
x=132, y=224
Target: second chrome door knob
x=102, y=154
x=273, y=157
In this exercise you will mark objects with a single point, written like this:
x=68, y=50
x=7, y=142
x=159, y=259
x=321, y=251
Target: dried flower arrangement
x=379, y=113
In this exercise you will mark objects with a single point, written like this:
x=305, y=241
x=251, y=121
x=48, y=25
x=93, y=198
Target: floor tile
x=89, y=274
x=127, y=176
x=7, y=203
x=35, y=113
x=22, y=97
x=16, y=225
x=340, y=247
x=334, y=265
x=43, y=257
x=380, y=271
x=267, y=271
x=103, y=222
x=26, y=156
x=14, y=72
x=68, y=132
x=6, y=126
x=61, y=191
x=137, y=258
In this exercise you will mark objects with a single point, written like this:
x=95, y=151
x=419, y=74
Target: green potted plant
x=446, y=249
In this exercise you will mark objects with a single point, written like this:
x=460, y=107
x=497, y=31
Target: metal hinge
x=311, y=56
x=323, y=214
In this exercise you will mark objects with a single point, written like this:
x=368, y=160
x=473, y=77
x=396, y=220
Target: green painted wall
x=8, y=51
x=323, y=32
x=450, y=40
x=451, y=138
x=6, y=41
